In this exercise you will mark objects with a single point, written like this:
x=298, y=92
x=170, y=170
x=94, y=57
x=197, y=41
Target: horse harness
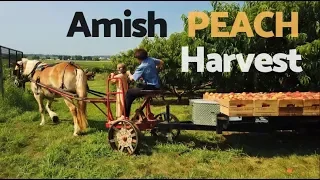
x=42, y=67
x=27, y=78
x=72, y=64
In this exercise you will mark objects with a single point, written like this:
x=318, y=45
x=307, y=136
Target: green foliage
x=15, y=101
x=310, y=53
x=307, y=44
x=96, y=59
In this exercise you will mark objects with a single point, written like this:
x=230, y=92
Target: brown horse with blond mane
x=66, y=76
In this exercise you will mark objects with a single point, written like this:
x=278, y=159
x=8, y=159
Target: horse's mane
x=24, y=60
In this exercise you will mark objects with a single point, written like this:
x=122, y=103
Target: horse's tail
x=81, y=89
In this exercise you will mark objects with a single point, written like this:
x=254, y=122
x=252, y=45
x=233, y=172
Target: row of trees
x=307, y=44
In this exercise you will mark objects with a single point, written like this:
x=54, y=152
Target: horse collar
x=30, y=75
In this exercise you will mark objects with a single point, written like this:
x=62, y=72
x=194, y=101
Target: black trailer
x=223, y=122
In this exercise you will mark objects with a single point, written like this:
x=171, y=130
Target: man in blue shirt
x=148, y=70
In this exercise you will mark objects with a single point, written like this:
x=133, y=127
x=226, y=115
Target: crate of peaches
x=299, y=103
x=267, y=104
x=311, y=104
x=233, y=104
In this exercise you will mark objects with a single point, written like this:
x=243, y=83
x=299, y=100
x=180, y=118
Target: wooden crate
x=290, y=111
x=236, y=107
x=290, y=103
x=283, y=107
x=211, y=98
x=290, y=107
x=266, y=108
x=311, y=107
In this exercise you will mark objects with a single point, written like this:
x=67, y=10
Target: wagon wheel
x=124, y=136
x=170, y=134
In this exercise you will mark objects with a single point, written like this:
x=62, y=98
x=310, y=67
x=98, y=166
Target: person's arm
x=137, y=74
x=129, y=75
x=159, y=63
x=112, y=75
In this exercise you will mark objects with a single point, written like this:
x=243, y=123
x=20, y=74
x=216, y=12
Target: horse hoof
x=41, y=124
x=55, y=119
x=75, y=134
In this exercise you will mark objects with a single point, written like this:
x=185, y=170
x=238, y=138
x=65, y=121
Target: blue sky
x=41, y=27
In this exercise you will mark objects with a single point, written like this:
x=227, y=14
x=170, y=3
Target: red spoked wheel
x=124, y=136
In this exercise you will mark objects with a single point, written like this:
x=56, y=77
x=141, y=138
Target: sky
x=42, y=27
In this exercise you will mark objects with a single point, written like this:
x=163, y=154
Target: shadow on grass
x=63, y=120
x=98, y=125
x=270, y=145
x=251, y=144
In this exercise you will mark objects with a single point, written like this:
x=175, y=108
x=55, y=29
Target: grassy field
x=30, y=151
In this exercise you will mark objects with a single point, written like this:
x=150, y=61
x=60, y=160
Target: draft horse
x=66, y=76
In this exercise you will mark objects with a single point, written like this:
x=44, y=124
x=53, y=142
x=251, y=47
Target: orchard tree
x=307, y=44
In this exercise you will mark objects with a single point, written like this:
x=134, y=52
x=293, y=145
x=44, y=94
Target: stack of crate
x=290, y=106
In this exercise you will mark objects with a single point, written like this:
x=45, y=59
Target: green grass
x=30, y=151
